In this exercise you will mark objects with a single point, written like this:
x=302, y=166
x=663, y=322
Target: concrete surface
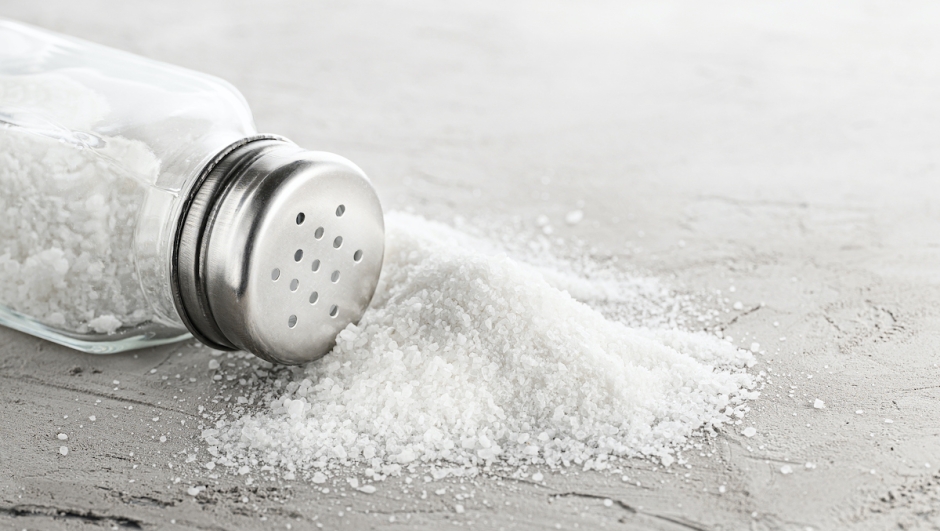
x=791, y=147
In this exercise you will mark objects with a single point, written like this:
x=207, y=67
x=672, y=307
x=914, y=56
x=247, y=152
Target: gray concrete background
x=791, y=146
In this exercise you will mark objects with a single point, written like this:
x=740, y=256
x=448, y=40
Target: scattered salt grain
x=62, y=437
x=738, y=306
x=92, y=418
x=368, y=489
x=64, y=450
x=786, y=469
x=574, y=217
x=750, y=431
x=608, y=502
x=214, y=364
x=755, y=347
x=859, y=412
x=889, y=421
x=470, y=359
x=537, y=477
x=194, y=491
x=819, y=404
x=458, y=509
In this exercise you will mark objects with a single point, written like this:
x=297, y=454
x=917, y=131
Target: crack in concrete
x=30, y=379
x=20, y=511
x=682, y=522
x=733, y=320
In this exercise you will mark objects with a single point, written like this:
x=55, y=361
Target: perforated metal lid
x=279, y=250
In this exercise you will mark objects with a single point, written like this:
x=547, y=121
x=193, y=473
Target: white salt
x=574, y=217
x=537, y=477
x=819, y=404
x=750, y=431
x=68, y=213
x=786, y=469
x=468, y=359
x=64, y=450
x=62, y=437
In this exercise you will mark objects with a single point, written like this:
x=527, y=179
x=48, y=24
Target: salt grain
x=819, y=404
x=574, y=217
x=64, y=450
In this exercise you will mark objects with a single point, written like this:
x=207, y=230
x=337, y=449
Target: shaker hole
x=292, y=321
x=275, y=274
x=300, y=218
x=299, y=255
x=338, y=242
x=340, y=210
x=357, y=256
x=335, y=276
x=318, y=233
x=314, y=297
x=294, y=284
x=334, y=310
x=315, y=266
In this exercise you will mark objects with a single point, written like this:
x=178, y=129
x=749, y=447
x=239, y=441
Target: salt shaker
x=139, y=206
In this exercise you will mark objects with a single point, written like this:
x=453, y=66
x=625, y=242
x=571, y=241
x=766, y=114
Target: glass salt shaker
x=139, y=206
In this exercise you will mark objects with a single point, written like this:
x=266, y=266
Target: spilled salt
x=469, y=360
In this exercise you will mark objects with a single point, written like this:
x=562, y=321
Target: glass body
x=98, y=149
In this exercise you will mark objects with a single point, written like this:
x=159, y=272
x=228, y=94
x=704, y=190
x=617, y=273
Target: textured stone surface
x=792, y=149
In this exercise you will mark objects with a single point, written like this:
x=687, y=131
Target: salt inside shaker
x=139, y=206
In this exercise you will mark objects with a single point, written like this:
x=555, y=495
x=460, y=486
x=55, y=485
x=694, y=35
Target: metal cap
x=278, y=250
